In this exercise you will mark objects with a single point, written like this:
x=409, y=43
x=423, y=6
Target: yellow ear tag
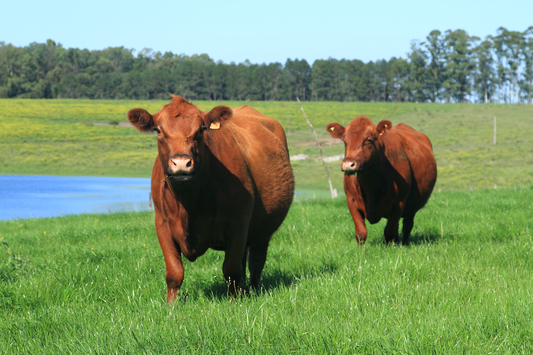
x=214, y=125
x=332, y=129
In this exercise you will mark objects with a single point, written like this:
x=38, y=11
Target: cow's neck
x=370, y=180
x=199, y=197
x=189, y=195
x=371, y=183
x=195, y=195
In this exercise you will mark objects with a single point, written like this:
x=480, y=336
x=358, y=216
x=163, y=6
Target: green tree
x=400, y=73
x=37, y=61
x=108, y=85
x=121, y=58
x=527, y=76
x=357, y=80
x=437, y=61
x=325, y=79
x=216, y=81
x=374, y=80
x=459, y=65
x=298, y=74
x=509, y=45
x=485, y=78
x=10, y=63
x=417, y=76
x=383, y=80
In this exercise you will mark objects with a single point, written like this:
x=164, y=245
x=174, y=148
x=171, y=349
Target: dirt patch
x=322, y=141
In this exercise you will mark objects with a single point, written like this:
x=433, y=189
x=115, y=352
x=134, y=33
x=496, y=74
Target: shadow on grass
x=425, y=237
x=281, y=279
x=270, y=281
x=416, y=238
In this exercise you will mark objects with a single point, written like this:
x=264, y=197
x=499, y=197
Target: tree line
x=447, y=67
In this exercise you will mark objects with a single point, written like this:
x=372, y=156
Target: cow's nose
x=349, y=165
x=181, y=165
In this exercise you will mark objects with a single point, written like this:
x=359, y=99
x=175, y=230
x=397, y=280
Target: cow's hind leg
x=407, y=227
x=256, y=263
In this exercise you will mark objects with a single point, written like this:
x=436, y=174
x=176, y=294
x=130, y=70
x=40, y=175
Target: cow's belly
x=375, y=211
x=218, y=243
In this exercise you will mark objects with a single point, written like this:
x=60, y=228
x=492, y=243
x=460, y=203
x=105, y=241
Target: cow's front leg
x=234, y=254
x=172, y=255
x=174, y=276
x=391, y=229
x=358, y=219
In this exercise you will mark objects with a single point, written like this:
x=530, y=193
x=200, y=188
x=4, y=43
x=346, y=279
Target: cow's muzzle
x=181, y=168
x=350, y=166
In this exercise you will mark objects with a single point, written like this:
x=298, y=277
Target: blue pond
x=25, y=196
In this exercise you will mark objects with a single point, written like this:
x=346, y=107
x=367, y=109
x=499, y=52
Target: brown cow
x=389, y=172
x=222, y=180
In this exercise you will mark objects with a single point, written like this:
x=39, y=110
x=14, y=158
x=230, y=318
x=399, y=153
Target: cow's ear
x=383, y=126
x=141, y=119
x=336, y=130
x=217, y=117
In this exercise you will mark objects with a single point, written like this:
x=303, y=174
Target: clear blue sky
x=261, y=31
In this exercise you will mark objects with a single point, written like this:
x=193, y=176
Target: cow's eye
x=157, y=130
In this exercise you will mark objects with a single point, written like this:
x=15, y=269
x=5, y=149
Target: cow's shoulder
x=247, y=114
x=403, y=127
x=405, y=146
x=245, y=109
x=413, y=140
x=391, y=140
x=395, y=155
x=249, y=119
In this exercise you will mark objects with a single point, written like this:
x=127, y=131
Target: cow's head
x=180, y=128
x=361, y=140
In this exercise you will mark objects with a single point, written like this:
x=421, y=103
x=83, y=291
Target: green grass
x=462, y=143
x=95, y=284
x=58, y=137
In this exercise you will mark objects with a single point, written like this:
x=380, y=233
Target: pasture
x=95, y=284
x=62, y=137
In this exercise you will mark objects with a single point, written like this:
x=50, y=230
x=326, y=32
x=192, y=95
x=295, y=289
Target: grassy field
x=61, y=137
x=95, y=284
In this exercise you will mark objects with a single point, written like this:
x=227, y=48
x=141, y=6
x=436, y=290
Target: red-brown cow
x=389, y=172
x=222, y=180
